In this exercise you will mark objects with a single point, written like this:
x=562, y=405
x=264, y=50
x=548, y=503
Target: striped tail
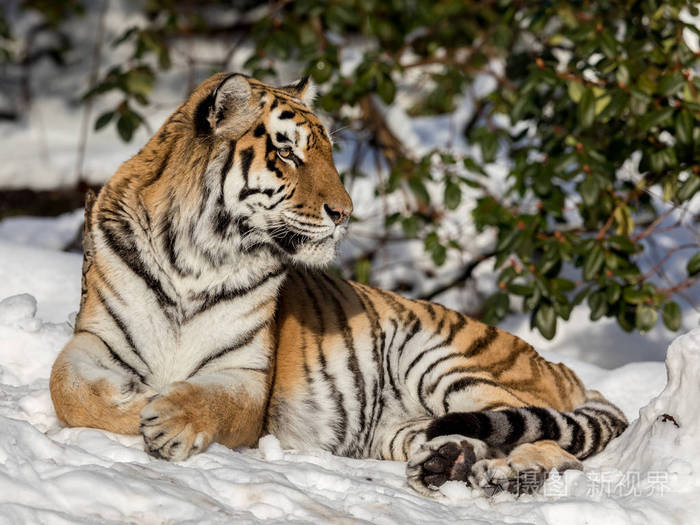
x=583, y=432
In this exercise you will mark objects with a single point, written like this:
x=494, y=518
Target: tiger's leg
x=188, y=415
x=537, y=439
x=90, y=388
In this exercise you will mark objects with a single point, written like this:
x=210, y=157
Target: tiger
x=208, y=314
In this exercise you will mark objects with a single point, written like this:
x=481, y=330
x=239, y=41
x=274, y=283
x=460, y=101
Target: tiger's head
x=271, y=167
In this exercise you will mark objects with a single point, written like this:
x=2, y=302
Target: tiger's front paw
x=445, y=458
x=178, y=423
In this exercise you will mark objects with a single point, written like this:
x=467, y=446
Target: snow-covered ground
x=50, y=474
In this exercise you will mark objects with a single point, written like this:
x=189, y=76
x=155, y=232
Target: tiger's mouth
x=290, y=241
x=290, y=238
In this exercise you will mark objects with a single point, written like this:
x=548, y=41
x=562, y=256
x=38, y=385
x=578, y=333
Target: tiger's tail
x=582, y=432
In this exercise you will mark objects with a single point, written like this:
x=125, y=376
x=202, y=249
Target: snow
x=51, y=474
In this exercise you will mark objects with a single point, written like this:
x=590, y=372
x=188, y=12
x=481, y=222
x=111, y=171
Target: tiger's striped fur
x=206, y=315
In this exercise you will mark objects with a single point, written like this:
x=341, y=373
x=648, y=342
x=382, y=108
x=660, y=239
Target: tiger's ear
x=232, y=111
x=303, y=89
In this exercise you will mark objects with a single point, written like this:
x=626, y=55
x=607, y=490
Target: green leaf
x=684, y=127
x=321, y=71
x=575, y=90
x=625, y=320
x=103, y=120
x=589, y=191
x=634, y=296
x=126, y=127
x=622, y=75
x=520, y=289
x=622, y=244
x=598, y=303
x=654, y=118
x=688, y=188
x=670, y=84
x=386, y=89
x=453, y=195
x=593, y=263
x=693, y=265
x=672, y=316
x=546, y=320
x=489, y=146
x=409, y=225
x=586, y=108
x=624, y=220
x=496, y=308
x=419, y=189
x=139, y=81
x=613, y=292
x=471, y=165
x=439, y=255
x=645, y=318
x=608, y=44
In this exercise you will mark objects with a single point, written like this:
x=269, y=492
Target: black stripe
x=201, y=115
x=454, y=329
x=516, y=420
x=98, y=270
x=115, y=357
x=123, y=245
x=403, y=427
x=247, y=156
x=122, y=326
x=286, y=114
x=549, y=427
x=340, y=429
x=353, y=362
x=377, y=334
x=465, y=383
x=577, y=436
x=282, y=137
x=469, y=424
x=225, y=169
x=246, y=340
x=595, y=429
x=235, y=293
x=480, y=344
x=386, y=365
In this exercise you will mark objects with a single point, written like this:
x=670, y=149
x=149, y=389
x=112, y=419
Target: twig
x=647, y=231
x=683, y=285
x=665, y=258
x=94, y=70
x=461, y=278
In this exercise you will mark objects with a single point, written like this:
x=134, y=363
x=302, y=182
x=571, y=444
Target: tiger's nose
x=337, y=215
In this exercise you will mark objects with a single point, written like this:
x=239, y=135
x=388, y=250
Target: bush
x=577, y=91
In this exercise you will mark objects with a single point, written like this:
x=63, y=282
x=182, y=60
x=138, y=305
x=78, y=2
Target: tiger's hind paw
x=498, y=475
x=442, y=459
x=524, y=471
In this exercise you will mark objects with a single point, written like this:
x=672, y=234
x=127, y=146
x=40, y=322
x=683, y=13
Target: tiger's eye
x=284, y=152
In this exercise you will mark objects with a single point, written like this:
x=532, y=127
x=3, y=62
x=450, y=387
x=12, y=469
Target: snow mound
x=664, y=442
x=18, y=309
